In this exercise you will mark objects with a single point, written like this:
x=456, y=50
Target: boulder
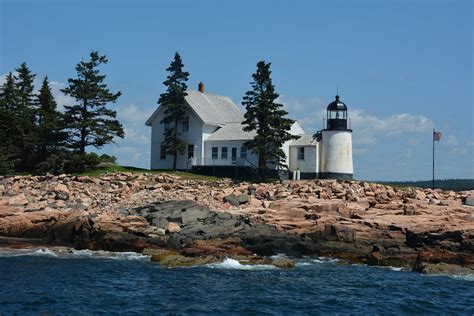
x=283, y=263
x=173, y=228
x=445, y=268
x=236, y=200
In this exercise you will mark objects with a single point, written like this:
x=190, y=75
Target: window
x=215, y=152
x=167, y=125
x=300, y=153
x=234, y=154
x=162, y=152
x=243, y=152
x=186, y=124
x=224, y=153
x=190, y=151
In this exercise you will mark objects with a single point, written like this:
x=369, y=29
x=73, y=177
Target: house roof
x=231, y=131
x=305, y=140
x=210, y=108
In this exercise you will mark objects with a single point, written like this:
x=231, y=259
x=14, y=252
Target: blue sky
x=402, y=67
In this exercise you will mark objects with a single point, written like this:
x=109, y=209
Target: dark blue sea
x=84, y=283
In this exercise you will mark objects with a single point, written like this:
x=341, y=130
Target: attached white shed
x=304, y=156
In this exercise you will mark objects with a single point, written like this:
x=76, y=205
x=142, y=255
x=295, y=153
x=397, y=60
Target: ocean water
x=85, y=282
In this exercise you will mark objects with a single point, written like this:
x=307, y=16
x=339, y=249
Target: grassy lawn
x=116, y=168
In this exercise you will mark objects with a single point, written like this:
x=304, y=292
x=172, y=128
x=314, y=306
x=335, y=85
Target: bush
x=107, y=158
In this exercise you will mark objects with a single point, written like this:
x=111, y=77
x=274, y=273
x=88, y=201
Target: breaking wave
x=72, y=253
x=233, y=264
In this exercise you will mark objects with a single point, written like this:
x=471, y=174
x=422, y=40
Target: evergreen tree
x=174, y=108
x=267, y=118
x=8, y=126
x=90, y=122
x=50, y=124
x=24, y=110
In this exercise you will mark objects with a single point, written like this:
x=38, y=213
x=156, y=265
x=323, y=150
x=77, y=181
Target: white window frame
x=226, y=151
x=215, y=155
x=301, y=153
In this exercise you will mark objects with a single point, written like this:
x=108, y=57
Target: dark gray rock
x=232, y=200
x=237, y=200
x=469, y=201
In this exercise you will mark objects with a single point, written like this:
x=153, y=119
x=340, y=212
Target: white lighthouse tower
x=336, y=144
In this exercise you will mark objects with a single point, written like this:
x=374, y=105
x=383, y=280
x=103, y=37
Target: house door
x=234, y=155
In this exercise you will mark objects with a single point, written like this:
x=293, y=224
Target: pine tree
x=267, y=118
x=90, y=122
x=50, y=124
x=174, y=108
x=24, y=110
x=8, y=126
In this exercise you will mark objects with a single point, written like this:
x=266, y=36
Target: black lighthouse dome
x=337, y=115
x=337, y=105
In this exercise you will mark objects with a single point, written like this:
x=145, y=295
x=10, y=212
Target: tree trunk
x=175, y=141
x=262, y=165
x=82, y=143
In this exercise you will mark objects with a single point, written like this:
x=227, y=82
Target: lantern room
x=336, y=115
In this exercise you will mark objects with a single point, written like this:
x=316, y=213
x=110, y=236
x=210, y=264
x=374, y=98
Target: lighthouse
x=336, y=143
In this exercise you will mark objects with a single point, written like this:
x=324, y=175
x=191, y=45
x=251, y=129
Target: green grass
x=97, y=172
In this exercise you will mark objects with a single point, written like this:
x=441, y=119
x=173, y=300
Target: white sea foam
x=233, y=264
x=69, y=254
x=467, y=277
x=100, y=254
x=7, y=252
x=44, y=252
x=389, y=268
x=325, y=260
x=279, y=256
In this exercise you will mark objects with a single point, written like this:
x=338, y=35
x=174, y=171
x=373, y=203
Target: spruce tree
x=267, y=118
x=50, y=124
x=174, y=108
x=24, y=110
x=9, y=151
x=90, y=122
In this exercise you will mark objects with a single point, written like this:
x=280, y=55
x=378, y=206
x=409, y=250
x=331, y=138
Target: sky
x=402, y=67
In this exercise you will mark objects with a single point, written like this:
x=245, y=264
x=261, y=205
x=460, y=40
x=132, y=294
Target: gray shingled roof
x=212, y=109
x=304, y=140
x=231, y=131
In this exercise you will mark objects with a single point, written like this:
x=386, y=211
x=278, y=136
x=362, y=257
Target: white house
x=213, y=132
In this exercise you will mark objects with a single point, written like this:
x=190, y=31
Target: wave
x=232, y=264
x=464, y=277
x=467, y=277
x=65, y=253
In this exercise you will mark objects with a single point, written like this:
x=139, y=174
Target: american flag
x=436, y=136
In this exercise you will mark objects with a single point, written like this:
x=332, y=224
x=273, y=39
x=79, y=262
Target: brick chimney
x=201, y=87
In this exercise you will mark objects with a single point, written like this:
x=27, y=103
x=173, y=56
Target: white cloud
x=132, y=113
x=393, y=125
x=61, y=98
x=368, y=128
x=133, y=136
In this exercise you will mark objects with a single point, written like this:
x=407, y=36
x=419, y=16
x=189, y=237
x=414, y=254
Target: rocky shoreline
x=188, y=222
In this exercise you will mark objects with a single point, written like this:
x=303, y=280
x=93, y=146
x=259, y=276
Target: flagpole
x=433, y=181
